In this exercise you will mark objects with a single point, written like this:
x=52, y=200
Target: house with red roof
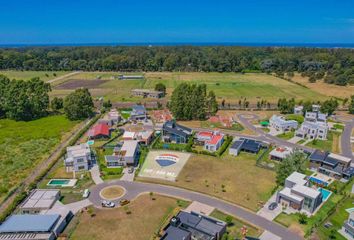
x=100, y=130
x=223, y=121
x=212, y=140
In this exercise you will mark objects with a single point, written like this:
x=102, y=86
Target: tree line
x=28, y=100
x=191, y=102
x=335, y=66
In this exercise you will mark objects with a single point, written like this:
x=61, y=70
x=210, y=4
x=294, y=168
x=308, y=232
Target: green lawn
x=107, y=173
x=331, y=144
x=27, y=75
x=229, y=86
x=234, y=229
x=25, y=144
x=286, y=135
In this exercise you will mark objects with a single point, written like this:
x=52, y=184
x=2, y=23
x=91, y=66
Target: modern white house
x=78, y=158
x=126, y=155
x=298, y=110
x=298, y=195
x=281, y=124
x=314, y=127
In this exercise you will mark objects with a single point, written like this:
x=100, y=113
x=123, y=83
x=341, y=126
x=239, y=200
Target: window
x=81, y=168
x=79, y=160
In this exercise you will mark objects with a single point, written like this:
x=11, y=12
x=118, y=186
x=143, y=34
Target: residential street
x=345, y=139
x=133, y=189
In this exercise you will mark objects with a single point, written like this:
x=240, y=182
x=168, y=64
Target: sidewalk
x=95, y=175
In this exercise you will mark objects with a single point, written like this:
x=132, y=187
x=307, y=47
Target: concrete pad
x=127, y=176
x=294, y=139
x=269, y=236
x=153, y=169
x=200, y=208
x=270, y=214
x=274, y=132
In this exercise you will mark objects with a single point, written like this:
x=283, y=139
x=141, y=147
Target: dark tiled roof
x=318, y=156
x=177, y=129
x=330, y=161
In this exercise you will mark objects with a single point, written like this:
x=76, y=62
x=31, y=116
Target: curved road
x=346, y=145
x=133, y=189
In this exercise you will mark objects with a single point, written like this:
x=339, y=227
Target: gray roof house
x=78, y=158
x=39, y=200
x=138, y=113
x=173, y=132
x=126, y=155
x=187, y=226
x=32, y=227
x=246, y=145
x=314, y=126
x=298, y=195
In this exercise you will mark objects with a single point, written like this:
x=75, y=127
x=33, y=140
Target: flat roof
x=287, y=192
x=340, y=158
x=41, y=198
x=297, y=178
x=307, y=191
x=29, y=223
x=281, y=152
x=129, y=147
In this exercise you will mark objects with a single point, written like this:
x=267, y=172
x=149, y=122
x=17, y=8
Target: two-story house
x=78, y=158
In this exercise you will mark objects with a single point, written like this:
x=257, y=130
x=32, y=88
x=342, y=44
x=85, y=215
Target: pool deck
x=71, y=183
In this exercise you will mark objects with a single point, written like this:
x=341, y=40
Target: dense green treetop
x=78, y=105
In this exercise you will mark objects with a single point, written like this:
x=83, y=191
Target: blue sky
x=108, y=21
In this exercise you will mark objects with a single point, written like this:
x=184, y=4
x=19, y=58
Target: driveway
x=134, y=189
x=128, y=176
x=270, y=214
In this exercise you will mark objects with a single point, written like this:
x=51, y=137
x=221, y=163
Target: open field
x=229, y=86
x=145, y=218
x=27, y=75
x=25, y=144
x=226, y=178
x=320, y=87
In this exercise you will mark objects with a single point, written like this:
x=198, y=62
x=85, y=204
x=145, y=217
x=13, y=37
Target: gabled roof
x=215, y=139
x=100, y=129
x=318, y=155
x=177, y=129
x=29, y=223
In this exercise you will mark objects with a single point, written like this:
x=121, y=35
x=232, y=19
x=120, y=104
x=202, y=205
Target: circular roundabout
x=112, y=192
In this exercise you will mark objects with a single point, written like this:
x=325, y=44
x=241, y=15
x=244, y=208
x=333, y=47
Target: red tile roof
x=215, y=139
x=100, y=129
x=205, y=134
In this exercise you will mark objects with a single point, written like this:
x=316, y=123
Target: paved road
x=345, y=139
x=133, y=189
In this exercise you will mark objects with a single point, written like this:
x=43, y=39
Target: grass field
x=25, y=144
x=229, y=86
x=331, y=144
x=27, y=75
x=286, y=135
x=145, y=218
x=230, y=178
x=330, y=90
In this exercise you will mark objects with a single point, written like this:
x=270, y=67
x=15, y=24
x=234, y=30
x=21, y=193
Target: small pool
x=59, y=182
x=325, y=193
x=318, y=181
x=91, y=142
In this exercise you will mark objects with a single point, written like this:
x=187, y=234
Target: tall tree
x=212, y=103
x=161, y=87
x=351, y=105
x=57, y=103
x=78, y=105
x=294, y=162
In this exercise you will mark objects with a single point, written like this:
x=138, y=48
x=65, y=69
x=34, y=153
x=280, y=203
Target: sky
x=153, y=21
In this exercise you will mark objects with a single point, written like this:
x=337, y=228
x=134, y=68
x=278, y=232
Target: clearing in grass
x=226, y=177
x=25, y=144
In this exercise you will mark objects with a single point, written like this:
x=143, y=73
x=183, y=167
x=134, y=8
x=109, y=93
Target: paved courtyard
x=164, y=165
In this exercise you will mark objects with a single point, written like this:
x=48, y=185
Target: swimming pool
x=62, y=182
x=325, y=193
x=91, y=142
x=318, y=181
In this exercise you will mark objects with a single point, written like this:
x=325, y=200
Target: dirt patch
x=112, y=192
x=77, y=83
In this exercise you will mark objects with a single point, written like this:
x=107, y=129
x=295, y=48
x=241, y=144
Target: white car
x=86, y=193
x=108, y=204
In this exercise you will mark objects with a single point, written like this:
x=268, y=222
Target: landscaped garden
x=25, y=144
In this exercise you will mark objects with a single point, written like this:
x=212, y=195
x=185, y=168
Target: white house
x=298, y=195
x=298, y=110
x=212, y=140
x=281, y=124
x=314, y=127
x=126, y=155
x=78, y=158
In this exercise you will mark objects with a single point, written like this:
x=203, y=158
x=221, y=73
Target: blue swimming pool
x=318, y=181
x=325, y=193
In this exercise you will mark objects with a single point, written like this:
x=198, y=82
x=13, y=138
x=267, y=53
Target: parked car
x=123, y=202
x=130, y=170
x=273, y=206
x=108, y=204
x=86, y=193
